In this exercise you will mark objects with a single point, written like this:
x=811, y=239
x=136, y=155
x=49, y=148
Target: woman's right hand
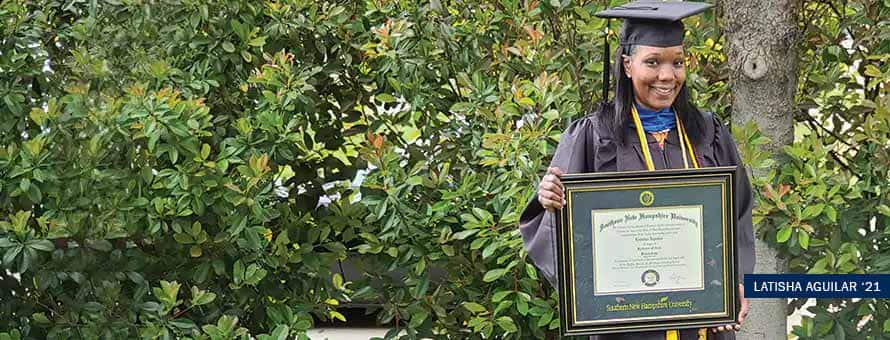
x=550, y=193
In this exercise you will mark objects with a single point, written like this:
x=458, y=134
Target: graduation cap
x=651, y=23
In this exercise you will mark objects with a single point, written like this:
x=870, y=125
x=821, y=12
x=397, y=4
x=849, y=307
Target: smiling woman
x=650, y=124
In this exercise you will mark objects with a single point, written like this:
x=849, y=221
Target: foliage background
x=201, y=169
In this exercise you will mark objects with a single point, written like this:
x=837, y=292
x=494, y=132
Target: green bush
x=198, y=169
x=826, y=206
x=162, y=163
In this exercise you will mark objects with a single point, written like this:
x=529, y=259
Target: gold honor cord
x=684, y=137
x=685, y=144
x=644, y=145
x=672, y=335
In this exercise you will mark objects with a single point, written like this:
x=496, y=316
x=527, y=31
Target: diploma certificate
x=646, y=250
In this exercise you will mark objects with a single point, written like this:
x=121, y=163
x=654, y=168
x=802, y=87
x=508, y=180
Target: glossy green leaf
x=494, y=274
x=784, y=234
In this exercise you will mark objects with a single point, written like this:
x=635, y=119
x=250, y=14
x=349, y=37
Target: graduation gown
x=585, y=147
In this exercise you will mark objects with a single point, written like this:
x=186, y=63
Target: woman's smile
x=663, y=90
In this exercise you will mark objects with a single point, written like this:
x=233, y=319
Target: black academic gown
x=586, y=147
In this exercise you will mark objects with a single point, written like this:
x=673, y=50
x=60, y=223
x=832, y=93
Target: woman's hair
x=616, y=117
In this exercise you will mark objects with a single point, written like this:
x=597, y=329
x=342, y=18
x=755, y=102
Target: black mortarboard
x=650, y=23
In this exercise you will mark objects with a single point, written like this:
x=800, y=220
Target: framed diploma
x=647, y=250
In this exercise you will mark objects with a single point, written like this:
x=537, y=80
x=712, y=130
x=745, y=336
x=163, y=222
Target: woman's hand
x=743, y=313
x=550, y=192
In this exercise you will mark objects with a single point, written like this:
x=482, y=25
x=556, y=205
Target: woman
x=650, y=124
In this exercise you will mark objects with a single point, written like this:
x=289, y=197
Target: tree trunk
x=761, y=40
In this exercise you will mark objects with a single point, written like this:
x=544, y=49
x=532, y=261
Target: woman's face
x=657, y=74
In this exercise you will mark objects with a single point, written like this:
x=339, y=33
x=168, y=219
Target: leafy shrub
x=825, y=206
x=200, y=169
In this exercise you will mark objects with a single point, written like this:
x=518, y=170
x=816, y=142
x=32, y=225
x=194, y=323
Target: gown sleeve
x=726, y=153
x=536, y=224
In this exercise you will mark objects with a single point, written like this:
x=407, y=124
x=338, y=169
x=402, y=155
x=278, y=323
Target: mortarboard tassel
x=606, y=64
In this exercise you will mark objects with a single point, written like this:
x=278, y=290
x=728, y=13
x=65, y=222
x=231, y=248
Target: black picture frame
x=715, y=302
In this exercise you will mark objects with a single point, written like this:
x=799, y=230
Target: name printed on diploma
x=647, y=249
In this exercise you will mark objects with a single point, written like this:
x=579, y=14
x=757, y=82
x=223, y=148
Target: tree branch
x=813, y=123
x=837, y=158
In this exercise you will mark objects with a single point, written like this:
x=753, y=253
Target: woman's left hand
x=743, y=313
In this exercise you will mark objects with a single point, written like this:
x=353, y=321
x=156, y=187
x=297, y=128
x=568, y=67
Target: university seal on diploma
x=647, y=250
